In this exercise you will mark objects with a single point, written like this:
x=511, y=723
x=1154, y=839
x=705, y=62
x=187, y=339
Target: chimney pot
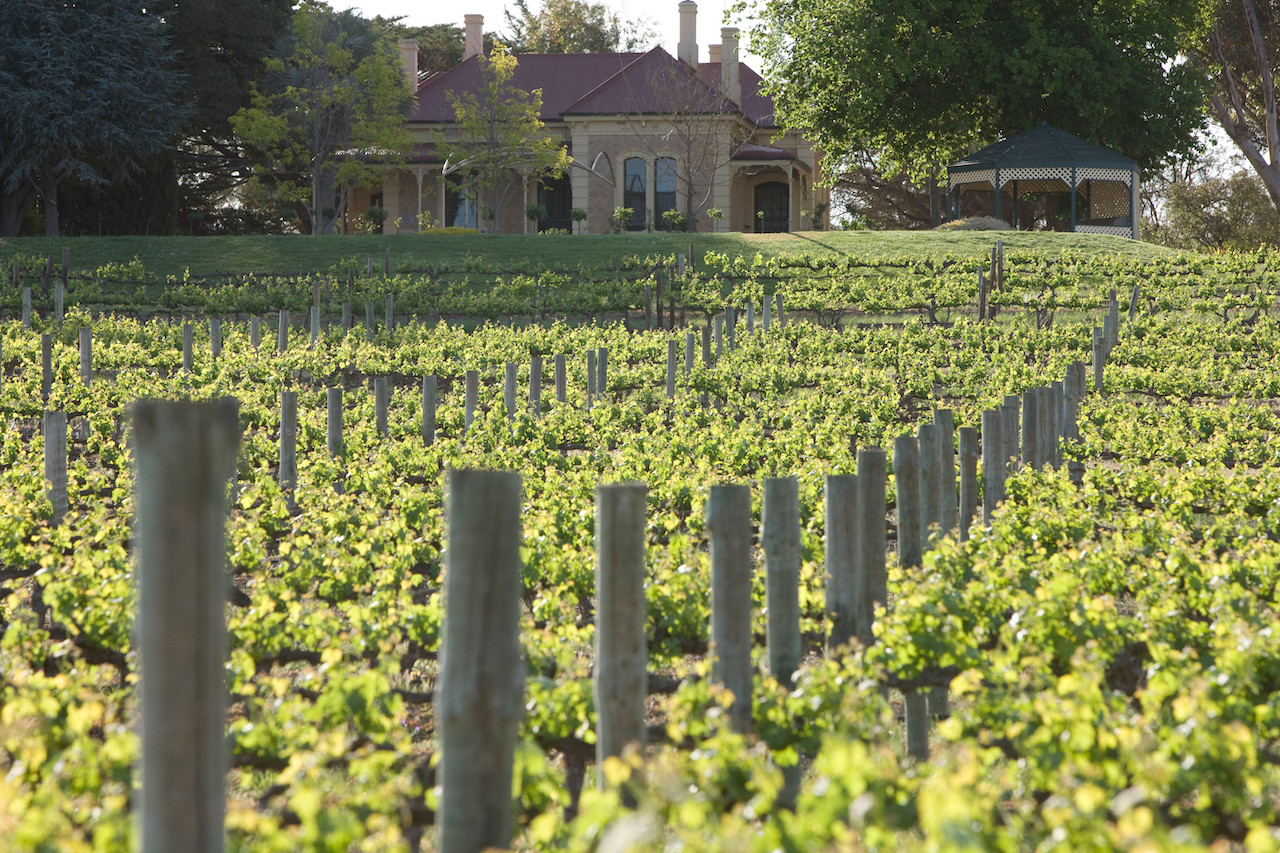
x=474, y=44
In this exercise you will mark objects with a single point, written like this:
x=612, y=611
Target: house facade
x=646, y=131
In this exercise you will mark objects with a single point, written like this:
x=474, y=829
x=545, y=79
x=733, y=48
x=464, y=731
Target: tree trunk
x=49, y=195
x=13, y=208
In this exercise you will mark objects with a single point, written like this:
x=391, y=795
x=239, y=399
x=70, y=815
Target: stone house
x=645, y=131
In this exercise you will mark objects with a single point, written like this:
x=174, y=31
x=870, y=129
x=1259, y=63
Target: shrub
x=976, y=223
x=619, y=219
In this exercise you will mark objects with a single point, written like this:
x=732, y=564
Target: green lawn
x=171, y=256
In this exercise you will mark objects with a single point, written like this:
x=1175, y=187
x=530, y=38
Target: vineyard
x=1101, y=659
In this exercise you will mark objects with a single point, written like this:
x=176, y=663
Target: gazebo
x=1102, y=185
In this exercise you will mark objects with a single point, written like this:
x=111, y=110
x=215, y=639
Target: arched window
x=633, y=181
x=664, y=194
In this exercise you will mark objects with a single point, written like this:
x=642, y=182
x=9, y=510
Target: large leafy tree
x=87, y=90
x=330, y=115
x=499, y=141
x=572, y=26
x=925, y=82
x=1238, y=51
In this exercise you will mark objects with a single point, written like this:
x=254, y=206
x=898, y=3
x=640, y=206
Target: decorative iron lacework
x=977, y=176
x=1113, y=230
x=1122, y=176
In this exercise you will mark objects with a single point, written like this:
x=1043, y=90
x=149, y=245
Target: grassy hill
x=172, y=256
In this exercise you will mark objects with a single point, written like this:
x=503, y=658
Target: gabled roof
x=602, y=84
x=1042, y=146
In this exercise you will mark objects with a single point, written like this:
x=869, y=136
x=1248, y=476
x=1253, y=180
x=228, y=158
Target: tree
x=1239, y=52
x=925, y=83
x=499, y=141
x=86, y=90
x=1220, y=214
x=331, y=114
x=573, y=26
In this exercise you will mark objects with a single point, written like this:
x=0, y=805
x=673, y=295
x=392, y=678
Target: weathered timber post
x=46, y=366
x=1113, y=317
x=1011, y=413
x=346, y=318
x=429, y=410
x=591, y=376
x=55, y=463
x=472, y=394
x=766, y=316
x=188, y=347
x=907, y=456
x=871, y=579
x=389, y=313
x=729, y=531
x=215, y=337
x=59, y=301
x=782, y=318
x=718, y=334
x=751, y=317
x=917, y=703
x=86, y=355
x=282, y=335
x=287, y=476
x=255, y=333
x=602, y=365
x=731, y=326
x=382, y=404
x=841, y=545
x=1099, y=348
x=648, y=306
x=1057, y=402
x=706, y=345
x=334, y=401
x=509, y=392
x=948, y=508
x=780, y=540
x=1133, y=301
x=479, y=697
x=369, y=323
x=621, y=673
x=535, y=385
x=993, y=462
x=562, y=385
x=26, y=307
x=672, y=350
x=386, y=267
x=930, y=484
x=186, y=453
x=1030, y=428
x=315, y=325
x=968, y=480
x=690, y=348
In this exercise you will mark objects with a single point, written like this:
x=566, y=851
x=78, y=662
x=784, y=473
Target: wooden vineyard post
x=46, y=366
x=287, y=476
x=282, y=334
x=188, y=347
x=690, y=350
x=26, y=307
x=386, y=267
x=648, y=307
x=782, y=318
x=766, y=316
x=780, y=541
x=1030, y=428
x=731, y=326
x=591, y=376
x=472, y=393
x=1072, y=395
x=907, y=455
x=982, y=297
x=1011, y=412
x=215, y=337
x=255, y=333
x=871, y=579
x=382, y=404
x=968, y=480
x=948, y=507
x=429, y=410
x=479, y=695
x=86, y=355
x=1133, y=301
x=1057, y=402
x=841, y=491
x=389, y=313
x=602, y=380
x=729, y=531
x=993, y=462
x=657, y=289
x=930, y=484
x=562, y=386
x=535, y=385
x=55, y=463
x=186, y=453
x=718, y=334
x=1099, y=360
x=1113, y=318
x=315, y=325
x=369, y=323
x=334, y=402
x=59, y=301
x=346, y=318
x=673, y=348
x=622, y=656
x=509, y=389
x=751, y=317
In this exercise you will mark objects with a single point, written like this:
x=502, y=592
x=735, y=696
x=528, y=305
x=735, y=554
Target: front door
x=773, y=207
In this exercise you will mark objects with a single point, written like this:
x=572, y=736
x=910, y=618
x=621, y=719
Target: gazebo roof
x=1043, y=146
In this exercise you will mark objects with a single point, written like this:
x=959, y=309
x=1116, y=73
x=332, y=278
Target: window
x=633, y=190
x=664, y=195
x=459, y=206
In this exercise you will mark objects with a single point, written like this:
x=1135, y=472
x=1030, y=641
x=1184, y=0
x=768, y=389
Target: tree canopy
x=330, y=114
x=499, y=140
x=923, y=83
x=572, y=26
x=87, y=89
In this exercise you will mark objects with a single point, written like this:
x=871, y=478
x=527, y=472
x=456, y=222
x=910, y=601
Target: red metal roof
x=602, y=84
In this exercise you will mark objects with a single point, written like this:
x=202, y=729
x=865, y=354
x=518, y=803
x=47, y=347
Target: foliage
x=330, y=115
x=620, y=218
x=926, y=83
x=86, y=91
x=573, y=26
x=499, y=139
x=1220, y=214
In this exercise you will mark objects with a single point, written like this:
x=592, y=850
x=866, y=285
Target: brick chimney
x=730, y=84
x=688, y=47
x=474, y=45
x=409, y=57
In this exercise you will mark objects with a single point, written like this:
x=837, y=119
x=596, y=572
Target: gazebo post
x=1073, y=199
x=998, y=193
